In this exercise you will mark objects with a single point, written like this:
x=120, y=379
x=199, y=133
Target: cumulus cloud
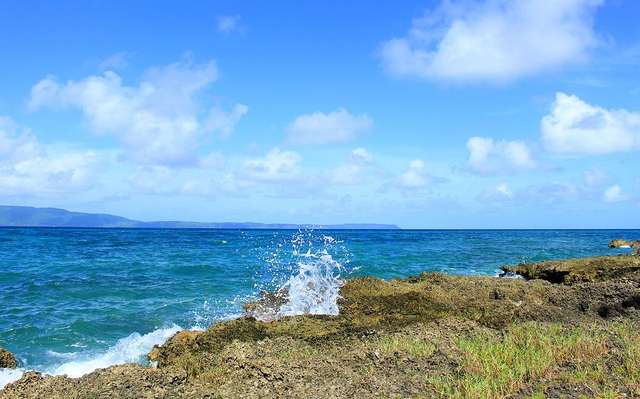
x=551, y=193
x=575, y=127
x=275, y=167
x=319, y=128
x=487, y=157
x=597, y=186
x=496, y=196
x=215, y=160
x=158, y=121
x=493, y=40
x=595, y=177
x=412, y=181
x=27, y=169
x=355, y=168
x=416, y=176
x=614, y=194
x=224, y=122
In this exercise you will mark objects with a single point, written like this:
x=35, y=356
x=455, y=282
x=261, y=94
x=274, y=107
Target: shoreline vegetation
x=568, y=328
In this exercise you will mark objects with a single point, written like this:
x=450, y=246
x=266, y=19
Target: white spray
x=315, y=288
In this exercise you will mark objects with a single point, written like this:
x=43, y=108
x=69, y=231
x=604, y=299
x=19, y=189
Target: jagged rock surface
x=7, y=360
x=344, y=355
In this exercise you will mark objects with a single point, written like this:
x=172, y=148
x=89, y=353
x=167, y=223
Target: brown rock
x=624, y=243
x=7, y=360
x=573, y=271
x=391, y=338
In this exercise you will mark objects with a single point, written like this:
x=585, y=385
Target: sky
x=424, y=114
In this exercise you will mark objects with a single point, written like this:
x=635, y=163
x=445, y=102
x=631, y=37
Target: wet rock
x=388, y=337
x=572, y=271
x=124, y=381
x=267, y=306
x=7, y=360
x=624, y=244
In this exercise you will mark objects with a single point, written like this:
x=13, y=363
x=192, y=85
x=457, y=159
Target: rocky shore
x=7, y=360
x=569, y=328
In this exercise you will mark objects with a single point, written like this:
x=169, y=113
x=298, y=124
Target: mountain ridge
x=26, y=216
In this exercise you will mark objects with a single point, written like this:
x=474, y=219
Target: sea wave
x=130, y=349
x=127, y=350
x=7, y=376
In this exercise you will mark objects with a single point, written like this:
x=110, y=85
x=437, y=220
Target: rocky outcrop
x=390, y=339
x=7, y=360
x=624, y=244
x=572, y=271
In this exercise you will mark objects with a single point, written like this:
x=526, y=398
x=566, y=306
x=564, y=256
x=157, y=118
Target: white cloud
x=15, y=145
x=575, y=127
x=496, y=40
x=614, y=194
x=276, y=167
x=158, y=121
x=552, y=193
x=594, y=177
x=415, y=176
x=229, y=24
x=26, y=168
x=224, y=122
x=503, y=157
x=215, y=160
x=319, y=128
x=496, y=196
x=357, y=166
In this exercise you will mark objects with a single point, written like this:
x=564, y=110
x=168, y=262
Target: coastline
x=398, y=337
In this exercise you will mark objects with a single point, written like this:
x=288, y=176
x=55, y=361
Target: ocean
x=74, y=300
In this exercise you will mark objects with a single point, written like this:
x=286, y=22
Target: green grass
x=202, y=368
x=391, y=345
x=492, y=367
x=629, y=367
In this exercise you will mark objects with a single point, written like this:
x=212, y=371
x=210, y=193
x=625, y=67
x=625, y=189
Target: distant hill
x=25, y=216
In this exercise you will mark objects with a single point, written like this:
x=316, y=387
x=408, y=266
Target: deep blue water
x=76, y=299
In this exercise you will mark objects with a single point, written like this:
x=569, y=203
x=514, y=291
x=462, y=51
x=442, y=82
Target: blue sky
x=424, y=114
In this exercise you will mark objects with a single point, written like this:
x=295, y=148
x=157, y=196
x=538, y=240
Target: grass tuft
x=492, y=367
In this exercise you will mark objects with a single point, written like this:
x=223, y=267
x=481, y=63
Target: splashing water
x=126, y=350
x=315, y=289
x=304, y=272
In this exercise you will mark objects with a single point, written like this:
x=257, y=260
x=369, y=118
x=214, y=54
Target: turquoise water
x=77, y=299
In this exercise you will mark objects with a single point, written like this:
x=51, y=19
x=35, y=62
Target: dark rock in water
x=624, y=244
x=7, y=360
x=573, y=271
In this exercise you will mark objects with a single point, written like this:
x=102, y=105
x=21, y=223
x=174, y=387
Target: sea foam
x=127, y=350
x=8, y=376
